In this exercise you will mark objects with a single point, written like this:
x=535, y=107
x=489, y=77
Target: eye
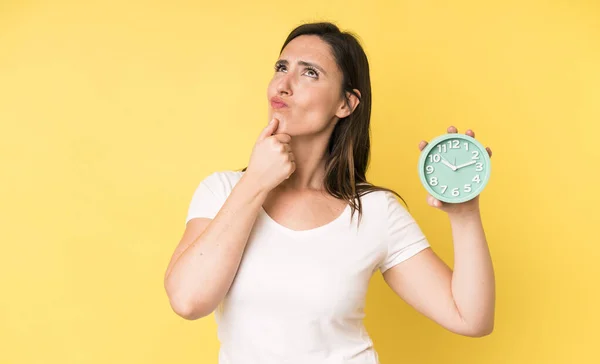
x=310, y=71
x=314, y=71
x=278, y=67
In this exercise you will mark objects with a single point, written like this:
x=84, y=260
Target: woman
x=275, y=249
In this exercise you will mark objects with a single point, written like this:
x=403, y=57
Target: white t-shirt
x=298, y=296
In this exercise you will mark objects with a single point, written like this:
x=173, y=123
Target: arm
x=462, y=301
x=207, y=258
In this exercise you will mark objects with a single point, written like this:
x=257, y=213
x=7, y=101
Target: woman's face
x=308, y=81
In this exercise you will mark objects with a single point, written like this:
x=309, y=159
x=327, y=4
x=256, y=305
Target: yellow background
x=112, y=111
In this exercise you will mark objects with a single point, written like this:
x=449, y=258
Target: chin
x=290, y=127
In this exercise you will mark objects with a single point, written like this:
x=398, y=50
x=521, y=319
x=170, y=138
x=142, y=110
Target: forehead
x=309, y=48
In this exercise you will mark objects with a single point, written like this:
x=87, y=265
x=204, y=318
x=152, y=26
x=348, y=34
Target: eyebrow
x=302, y=63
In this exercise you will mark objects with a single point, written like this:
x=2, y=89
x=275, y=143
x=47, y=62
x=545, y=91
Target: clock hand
x=466, y=164
x=452, y=167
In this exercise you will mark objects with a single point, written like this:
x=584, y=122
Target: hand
x=451, y=208
x=272, y=160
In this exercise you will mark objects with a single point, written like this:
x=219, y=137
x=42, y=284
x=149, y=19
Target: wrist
x=253, y=186
x=471, y=213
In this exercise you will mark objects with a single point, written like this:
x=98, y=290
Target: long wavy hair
x=349, y=147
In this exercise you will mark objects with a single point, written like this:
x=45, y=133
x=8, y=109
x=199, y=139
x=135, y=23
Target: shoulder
x=401, y=235
x=221, y=182
x=383, y=203
x=211, y=193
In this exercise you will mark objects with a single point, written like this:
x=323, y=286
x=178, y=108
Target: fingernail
x=271, y=122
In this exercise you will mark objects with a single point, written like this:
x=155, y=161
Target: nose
x=284, y=84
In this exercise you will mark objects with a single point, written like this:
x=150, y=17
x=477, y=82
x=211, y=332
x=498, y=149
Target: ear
x=349, y=105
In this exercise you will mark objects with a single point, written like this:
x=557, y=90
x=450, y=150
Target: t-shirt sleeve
x=403, y=236
x=206, y=200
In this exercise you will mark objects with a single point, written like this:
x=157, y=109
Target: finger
x=489, y=150
x=293, y=169
x=470, y=133
x=282, y=148
x=452, y=129
x=269, y=129
x=422, y=145
x=286, y=147
x=434, y=202
x=283, y=138
x=430, y=200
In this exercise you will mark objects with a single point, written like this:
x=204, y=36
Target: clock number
x=452, y=144
x=433, y=181
x=479, y=167
x=475, y=154
x=429, y=169
x=467, y=146
x=435, y=158
x=444, y=189
x=468, y=188
x=455, y=192
x=476, y=178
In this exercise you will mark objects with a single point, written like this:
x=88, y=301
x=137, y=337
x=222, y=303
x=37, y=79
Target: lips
x=277, y=103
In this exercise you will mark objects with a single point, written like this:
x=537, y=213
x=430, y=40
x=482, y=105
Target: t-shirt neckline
x=316, y=230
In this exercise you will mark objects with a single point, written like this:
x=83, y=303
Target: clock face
x=454, y=168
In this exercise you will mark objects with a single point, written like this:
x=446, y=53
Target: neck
x=309, y=153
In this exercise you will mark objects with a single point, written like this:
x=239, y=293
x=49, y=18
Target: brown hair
x=349, y=146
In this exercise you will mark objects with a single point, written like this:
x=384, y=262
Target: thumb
x=269, y=129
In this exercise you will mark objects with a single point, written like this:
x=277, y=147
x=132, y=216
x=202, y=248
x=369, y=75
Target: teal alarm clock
x=454, y=168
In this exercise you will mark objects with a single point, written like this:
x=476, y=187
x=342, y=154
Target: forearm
x=204, y=272
x=473, y=282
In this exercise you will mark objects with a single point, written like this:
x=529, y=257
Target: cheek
x=318, y=103
x=271, y=91
x=313, y=113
